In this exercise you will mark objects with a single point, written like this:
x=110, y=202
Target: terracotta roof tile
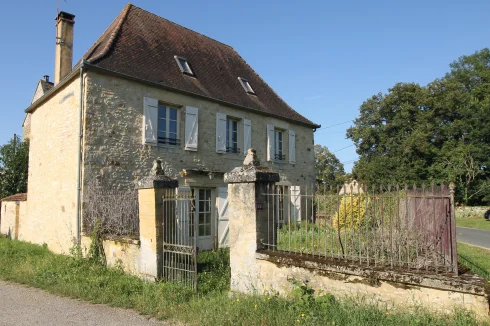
x=16, y=197
x=143, y=45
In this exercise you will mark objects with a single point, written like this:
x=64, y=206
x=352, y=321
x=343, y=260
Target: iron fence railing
x=397, y=227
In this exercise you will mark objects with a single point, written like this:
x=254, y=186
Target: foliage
x=329, y=171
x=96, y=253
x=113, y=212
x=475, y=258
x=214, y=271
x=14, y=163
x=63, y=275
x=440, y=132
x=351, y=212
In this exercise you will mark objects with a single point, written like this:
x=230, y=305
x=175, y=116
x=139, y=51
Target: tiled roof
x=16, y=197
x=143, y=45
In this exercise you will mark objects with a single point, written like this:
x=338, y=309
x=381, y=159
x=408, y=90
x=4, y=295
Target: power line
x=335, y=125
x=338, y=150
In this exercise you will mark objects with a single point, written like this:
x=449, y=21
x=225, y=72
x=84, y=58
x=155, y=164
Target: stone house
x=149, y=88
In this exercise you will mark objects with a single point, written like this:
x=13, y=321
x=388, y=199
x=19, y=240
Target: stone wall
x=119, y=252
x=11, y=216
x=53, y=162
x=392, y=290
x=113, y=140
x=26, y=127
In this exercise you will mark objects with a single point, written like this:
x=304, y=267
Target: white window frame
x=167, y=126
x=186, y=67
x=246, y=86
x=278, y=155
x=229, y=134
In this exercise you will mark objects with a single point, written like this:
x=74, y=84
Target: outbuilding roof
x=16, y=197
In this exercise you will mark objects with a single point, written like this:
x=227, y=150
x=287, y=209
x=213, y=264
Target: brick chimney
x=64, y=45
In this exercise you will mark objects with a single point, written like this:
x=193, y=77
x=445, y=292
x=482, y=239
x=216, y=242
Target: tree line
x=421, y=134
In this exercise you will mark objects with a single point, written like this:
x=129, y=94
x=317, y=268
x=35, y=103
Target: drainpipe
x=80, y=158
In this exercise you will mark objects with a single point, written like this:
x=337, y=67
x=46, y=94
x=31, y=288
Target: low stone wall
x=124, y=252
x=11, y=216
x=441, y=293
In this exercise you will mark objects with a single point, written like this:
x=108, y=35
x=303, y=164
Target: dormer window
x=184, y=66
x=246, y=86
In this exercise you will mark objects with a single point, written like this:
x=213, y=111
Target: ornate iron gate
x=179, y=242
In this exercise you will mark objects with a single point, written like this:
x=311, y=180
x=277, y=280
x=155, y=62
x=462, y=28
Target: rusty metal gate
x=179, y=242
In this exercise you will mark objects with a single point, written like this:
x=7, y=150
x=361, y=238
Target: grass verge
x=475, y=258
x=474, y=223
x=73, y=277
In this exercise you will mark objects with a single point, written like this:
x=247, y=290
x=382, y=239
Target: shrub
x=351, y=212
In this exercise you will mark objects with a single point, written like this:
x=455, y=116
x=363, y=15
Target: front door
x=204, y=213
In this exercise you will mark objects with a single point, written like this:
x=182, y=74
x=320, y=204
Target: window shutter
x=191, y=128
x=223, y=220
x=295, y=204
x=150, y=121
x=292, y=147
x=220, y=133
x=247, y=136
x=270, y=142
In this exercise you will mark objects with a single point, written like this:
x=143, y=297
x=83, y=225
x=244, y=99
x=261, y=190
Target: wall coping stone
x=472, y=284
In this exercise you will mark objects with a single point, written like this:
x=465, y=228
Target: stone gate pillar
x=150, y=196
x=248, y=214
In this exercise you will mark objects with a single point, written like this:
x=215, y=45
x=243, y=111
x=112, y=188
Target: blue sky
x=323, y=57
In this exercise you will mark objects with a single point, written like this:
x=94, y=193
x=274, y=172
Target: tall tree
x=329, y=171
x=14, y=162
x=440, y=132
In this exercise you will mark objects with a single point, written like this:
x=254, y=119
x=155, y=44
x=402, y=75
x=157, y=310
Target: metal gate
x=179, y=242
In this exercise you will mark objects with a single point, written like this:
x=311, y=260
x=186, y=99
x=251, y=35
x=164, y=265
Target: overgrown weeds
x=213, y=305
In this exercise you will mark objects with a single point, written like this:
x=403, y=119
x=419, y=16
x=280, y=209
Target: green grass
x=73, y=277
x=474, y=223
x=475, y=258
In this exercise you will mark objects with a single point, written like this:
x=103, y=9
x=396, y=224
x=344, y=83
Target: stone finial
x=251, y=158
x=157, y=178
x=251, y=171
x=157, y=168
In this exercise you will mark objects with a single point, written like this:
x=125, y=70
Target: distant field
x=472, y=217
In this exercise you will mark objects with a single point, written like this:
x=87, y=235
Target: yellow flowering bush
x=351, y=212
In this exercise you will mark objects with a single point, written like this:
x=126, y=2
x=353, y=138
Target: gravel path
x=473, y=237
x=20, y=305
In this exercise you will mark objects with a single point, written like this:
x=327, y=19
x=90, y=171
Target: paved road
x=474, y=237
x=20, y=305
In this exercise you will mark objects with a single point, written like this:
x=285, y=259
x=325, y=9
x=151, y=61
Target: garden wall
x=123, y=252
x=389, y=289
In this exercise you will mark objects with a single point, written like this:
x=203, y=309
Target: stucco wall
x=52, y=183
x=114, y=150
x=119, y=252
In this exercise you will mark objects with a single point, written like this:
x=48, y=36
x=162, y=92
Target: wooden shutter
x=270, y=142
x=191, y=128
x=295, y=215
x=247, y=136
x=150, y=121
x=223, y=221
x=220, y=133
x=292, y=147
